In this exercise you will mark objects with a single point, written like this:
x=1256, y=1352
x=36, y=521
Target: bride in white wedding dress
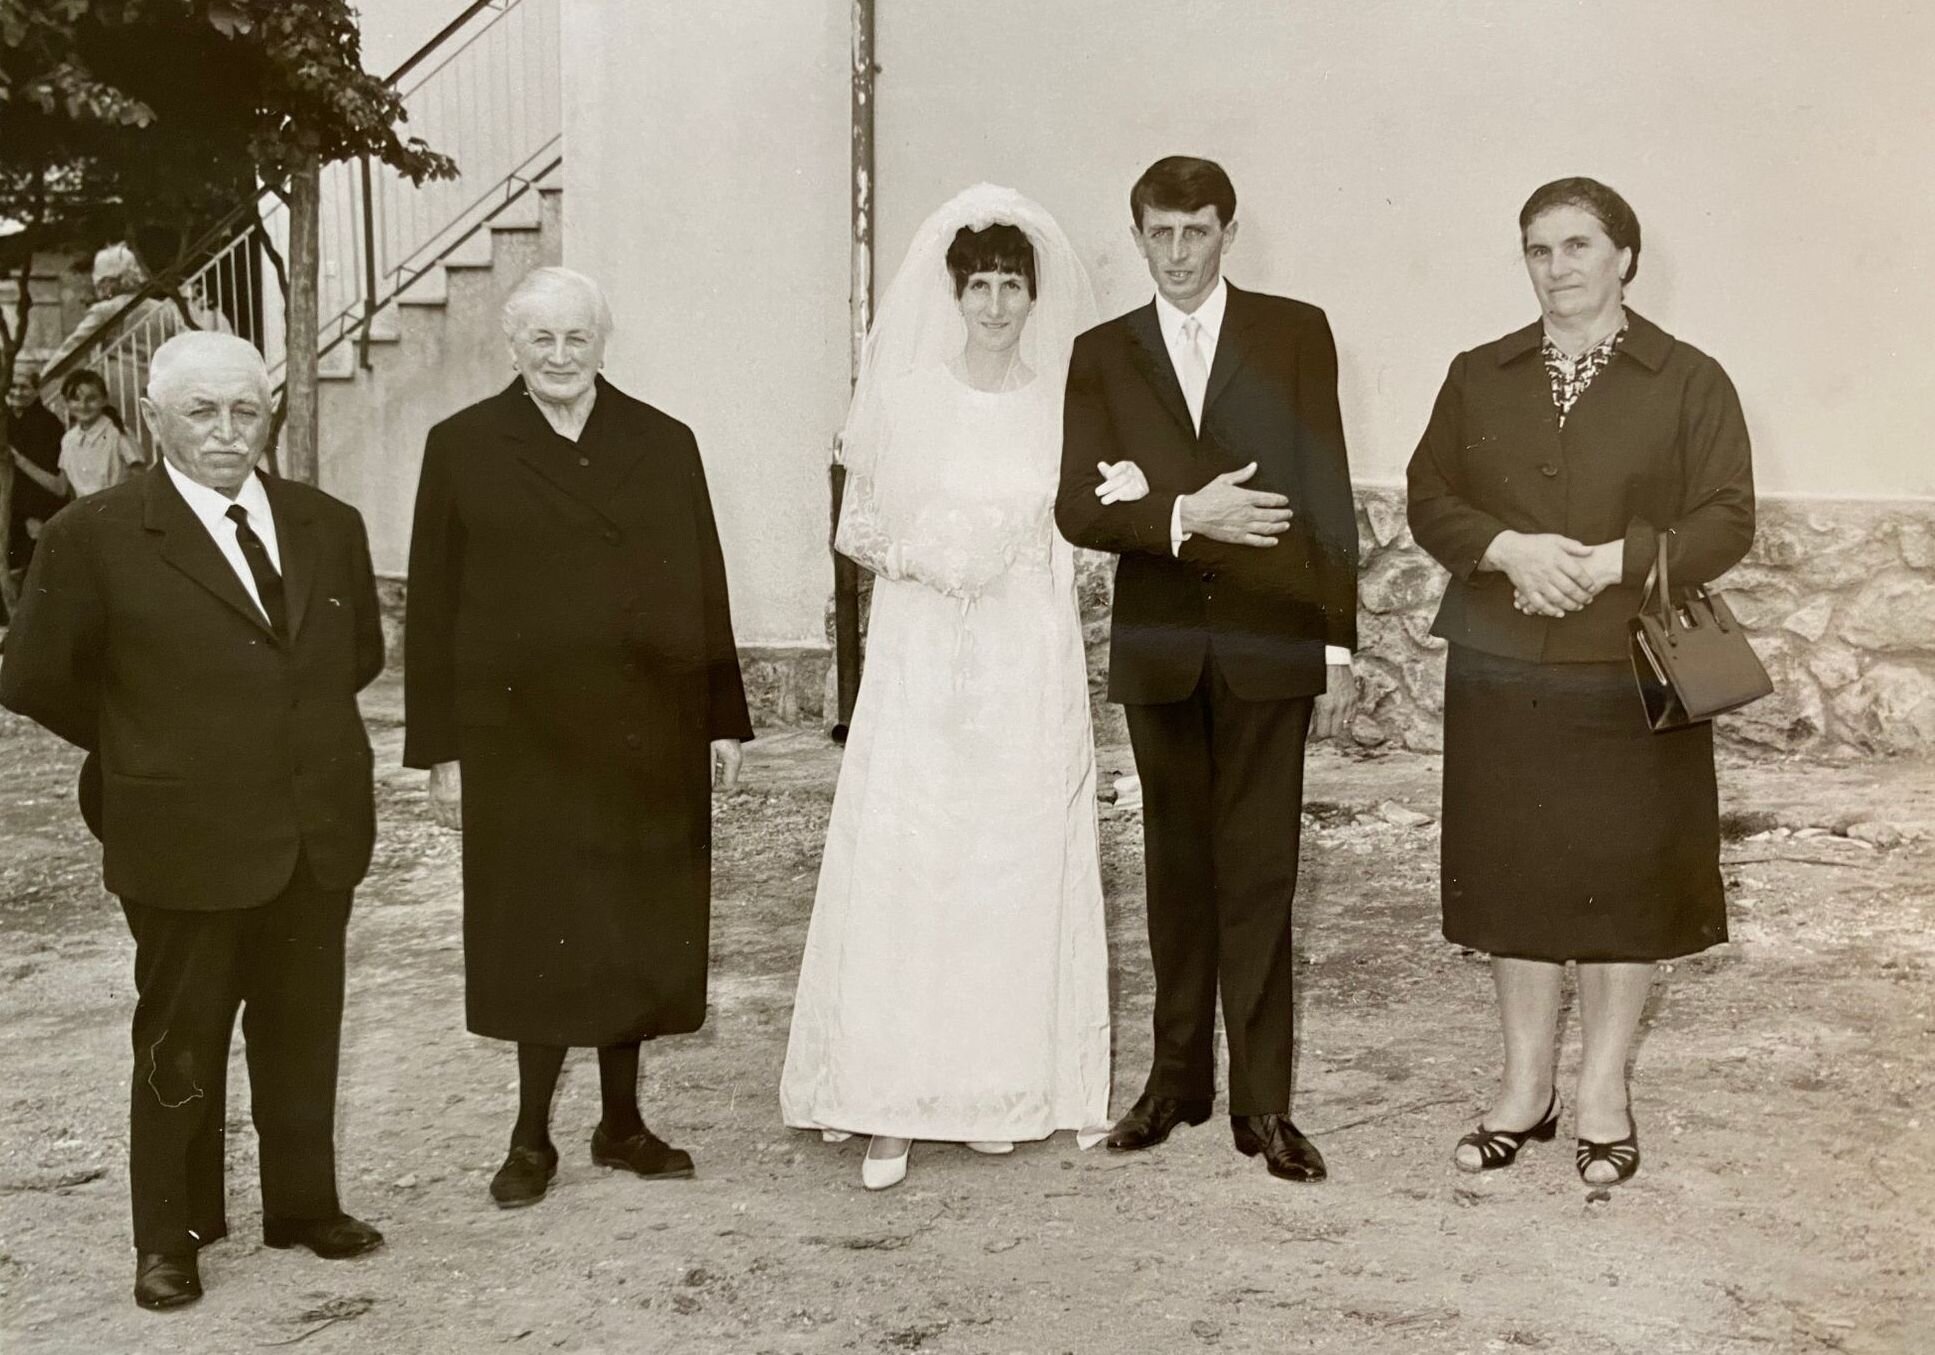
x=954, y=985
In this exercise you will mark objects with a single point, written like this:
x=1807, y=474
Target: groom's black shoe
x=1151, y=1118
x=1286, y=1152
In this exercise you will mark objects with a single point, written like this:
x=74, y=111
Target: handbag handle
x=1659, y=587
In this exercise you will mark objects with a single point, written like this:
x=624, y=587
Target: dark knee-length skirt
x=1571, y=830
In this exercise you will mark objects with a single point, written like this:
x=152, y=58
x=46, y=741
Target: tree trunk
x=300, y=459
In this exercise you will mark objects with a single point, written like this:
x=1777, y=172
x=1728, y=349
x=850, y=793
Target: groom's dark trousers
x=1216, y=655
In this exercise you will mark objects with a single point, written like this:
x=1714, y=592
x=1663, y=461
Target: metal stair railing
x=485, y=90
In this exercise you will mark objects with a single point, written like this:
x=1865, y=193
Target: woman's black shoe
x=524, y=1177
x=1499, y=1147
x=644, y=1153
x=1622, y=1153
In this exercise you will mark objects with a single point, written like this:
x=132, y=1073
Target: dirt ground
x=1782, y=1089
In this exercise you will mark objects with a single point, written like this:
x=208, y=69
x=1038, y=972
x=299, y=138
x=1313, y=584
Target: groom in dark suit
x=1202, y=445
x=202, y=631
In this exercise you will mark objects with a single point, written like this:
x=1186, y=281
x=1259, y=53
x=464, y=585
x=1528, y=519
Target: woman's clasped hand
x=1553, y=575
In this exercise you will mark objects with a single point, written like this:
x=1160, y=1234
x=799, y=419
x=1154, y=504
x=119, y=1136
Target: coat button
x=584, y=461
x=629, y=669
x=634, y=741
x=1548, y=470
x=611, y=536
x=1209, y=576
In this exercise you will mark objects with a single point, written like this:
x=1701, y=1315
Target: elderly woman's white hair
x=117, y=271
x=549, y=281
x=177, y=359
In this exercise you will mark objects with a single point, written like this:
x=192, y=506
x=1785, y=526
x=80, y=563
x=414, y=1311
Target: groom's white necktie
x=1193, y=370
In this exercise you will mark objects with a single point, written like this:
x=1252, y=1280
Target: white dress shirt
x=1175, y=337
x=212, y=508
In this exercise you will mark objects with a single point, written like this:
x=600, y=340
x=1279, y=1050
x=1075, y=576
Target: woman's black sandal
x=1499, y=1147
x=1623, y=1154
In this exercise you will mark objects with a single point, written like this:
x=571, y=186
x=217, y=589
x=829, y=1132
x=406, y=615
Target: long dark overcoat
x=568, y=642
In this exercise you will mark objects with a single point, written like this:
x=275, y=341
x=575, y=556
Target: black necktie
x=268, y=583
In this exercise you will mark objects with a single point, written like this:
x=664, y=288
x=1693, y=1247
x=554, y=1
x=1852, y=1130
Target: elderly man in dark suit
x=572, y=685
x=202, y=631
x=1202, y=444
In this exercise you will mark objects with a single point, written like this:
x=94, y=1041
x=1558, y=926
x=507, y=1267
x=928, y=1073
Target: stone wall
x=1838, y=596
x=785, y=684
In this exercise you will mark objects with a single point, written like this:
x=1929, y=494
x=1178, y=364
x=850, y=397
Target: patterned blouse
x=1570, y=376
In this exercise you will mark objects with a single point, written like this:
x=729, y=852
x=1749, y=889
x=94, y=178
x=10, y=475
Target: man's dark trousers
x=1222, y=788
x=281, y=963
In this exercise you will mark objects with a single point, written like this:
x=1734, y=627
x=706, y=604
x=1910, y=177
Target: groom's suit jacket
x=1264, y=613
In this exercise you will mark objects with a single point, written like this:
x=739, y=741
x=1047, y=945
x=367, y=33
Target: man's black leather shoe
x=334, y=1239
x=1151, y=1118
x=1286, y=1152
x=644, y=1153
x=524, y=1177
x=166, y=1280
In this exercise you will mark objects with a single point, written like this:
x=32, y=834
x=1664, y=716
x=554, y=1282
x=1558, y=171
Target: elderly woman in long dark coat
x=572, y=687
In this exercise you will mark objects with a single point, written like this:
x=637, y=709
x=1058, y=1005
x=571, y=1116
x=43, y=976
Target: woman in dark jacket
x=572, y=685
x=1555, y=459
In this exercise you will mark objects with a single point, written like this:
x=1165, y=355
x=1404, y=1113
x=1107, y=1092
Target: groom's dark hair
x=1183, y=183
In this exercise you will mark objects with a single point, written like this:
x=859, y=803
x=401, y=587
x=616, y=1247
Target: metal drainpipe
x=846, y=574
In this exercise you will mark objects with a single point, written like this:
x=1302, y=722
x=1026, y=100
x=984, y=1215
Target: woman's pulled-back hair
x=1613, y=213
x=997, y=248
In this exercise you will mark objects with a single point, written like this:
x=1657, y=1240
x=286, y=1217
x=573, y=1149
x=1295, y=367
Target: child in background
x=95, y=452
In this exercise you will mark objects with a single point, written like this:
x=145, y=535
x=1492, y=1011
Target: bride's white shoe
x=879, y=1173
x=992, y=1147
x=1086, y=1139
x=834, y=1136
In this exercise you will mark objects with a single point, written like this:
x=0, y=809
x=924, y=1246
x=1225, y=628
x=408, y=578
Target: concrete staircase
x=434, y=349
x=439, y=347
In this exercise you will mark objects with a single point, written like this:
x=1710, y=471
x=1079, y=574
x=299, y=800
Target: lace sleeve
x=862, y=535
x=956, y=549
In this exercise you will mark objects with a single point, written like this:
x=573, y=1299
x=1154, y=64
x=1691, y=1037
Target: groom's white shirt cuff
x=1336, y=656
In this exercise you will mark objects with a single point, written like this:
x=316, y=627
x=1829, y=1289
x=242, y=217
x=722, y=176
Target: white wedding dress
x=954, y=985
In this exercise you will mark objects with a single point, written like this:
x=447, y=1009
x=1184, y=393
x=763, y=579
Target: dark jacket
x=224, y=753
x=35, y=433
x=556, y=585
x=1266, y=613
x=568, y=641
x=1656, y=444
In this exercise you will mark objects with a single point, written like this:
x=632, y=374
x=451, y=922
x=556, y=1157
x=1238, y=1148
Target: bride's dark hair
x=999, y=248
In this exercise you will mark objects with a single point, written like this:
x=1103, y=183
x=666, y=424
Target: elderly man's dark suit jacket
x=1265, y=613
x=224, y=753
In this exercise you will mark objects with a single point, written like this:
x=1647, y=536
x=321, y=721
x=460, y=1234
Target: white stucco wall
x=1776, y=152
x=705, y=163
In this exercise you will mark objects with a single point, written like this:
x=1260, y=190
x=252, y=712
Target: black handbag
x=1691, y=660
